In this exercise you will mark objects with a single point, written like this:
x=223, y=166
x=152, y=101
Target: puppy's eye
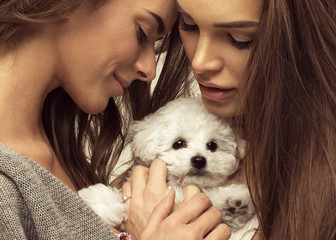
x=212, y=146
x=179, y=144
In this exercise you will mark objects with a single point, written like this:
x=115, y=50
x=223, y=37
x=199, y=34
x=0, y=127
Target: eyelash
x=240, y=45
x=237, y=44
x=186, y=27
x=141, y=35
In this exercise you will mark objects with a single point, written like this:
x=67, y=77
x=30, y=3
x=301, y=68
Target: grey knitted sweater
x=36, y=205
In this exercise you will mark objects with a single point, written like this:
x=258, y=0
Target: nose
x=145, y=64
x=207, y=60
x=198, y=162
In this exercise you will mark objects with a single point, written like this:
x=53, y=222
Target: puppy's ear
x=241, y=147
x=144, y=138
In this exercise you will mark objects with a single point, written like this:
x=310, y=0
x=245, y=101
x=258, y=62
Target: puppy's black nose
x=198, y=162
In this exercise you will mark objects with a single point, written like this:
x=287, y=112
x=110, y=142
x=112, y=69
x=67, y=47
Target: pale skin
x=218, y=47
x=92, y=55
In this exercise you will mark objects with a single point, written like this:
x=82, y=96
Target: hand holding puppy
x=194, y=218
x=197, y=148
x=147, y=187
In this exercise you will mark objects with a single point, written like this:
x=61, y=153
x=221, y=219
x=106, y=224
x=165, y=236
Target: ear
x=144, y=137
x=241, y=147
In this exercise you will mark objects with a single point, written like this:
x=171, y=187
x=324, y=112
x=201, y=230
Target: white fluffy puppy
x=199, y=148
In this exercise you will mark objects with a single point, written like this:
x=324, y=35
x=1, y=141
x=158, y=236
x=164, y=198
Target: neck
x=26, y=77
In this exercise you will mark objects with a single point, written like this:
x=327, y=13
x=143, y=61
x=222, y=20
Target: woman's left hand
x=147, y=188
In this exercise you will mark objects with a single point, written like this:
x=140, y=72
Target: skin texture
x=217, y=46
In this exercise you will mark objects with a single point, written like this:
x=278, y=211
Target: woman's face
x=101, y=51
x=217, y=36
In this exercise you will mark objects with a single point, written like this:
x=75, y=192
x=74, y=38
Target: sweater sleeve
x=15, y=221
x=34, y=204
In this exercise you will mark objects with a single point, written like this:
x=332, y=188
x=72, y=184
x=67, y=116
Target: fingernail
x=168, y=191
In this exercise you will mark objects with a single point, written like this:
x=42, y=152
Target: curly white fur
x=199, y=148
x=107, y=203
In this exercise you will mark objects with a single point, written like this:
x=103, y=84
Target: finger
x=222, y=232
x=208, y=220
x=163, y=209
x=126, y=191
x=193, y=208
x=158, y=173
x=160, y=212
x=189, y=191
x=139, y=179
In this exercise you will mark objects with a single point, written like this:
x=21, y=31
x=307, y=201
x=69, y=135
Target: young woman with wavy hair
x=72, y=76
x=270, y=64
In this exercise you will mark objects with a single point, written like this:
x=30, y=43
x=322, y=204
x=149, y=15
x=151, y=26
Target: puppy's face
x=202, y=154
x=198, y=147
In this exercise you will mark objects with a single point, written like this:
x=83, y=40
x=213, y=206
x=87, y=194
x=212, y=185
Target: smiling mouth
x=122, y=82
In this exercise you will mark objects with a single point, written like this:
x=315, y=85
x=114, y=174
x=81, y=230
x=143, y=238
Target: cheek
x=189, y=41
x=124, y=55
x=177, y=158
x=123, y=46
x=238, y=62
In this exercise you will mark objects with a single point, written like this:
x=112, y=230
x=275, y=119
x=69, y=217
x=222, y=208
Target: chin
x=221, y=109
x=93, y=107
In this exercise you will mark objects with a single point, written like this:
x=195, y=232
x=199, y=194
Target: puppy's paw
x=107, y=203
x=234, y=201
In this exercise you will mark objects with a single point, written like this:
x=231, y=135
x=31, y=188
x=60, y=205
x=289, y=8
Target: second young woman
x=271, y=65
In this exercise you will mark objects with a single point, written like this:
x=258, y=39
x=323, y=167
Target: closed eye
x=187, y=27
x=240, y=44
x=141, y=35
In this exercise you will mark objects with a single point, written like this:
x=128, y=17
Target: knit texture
x=34, y=204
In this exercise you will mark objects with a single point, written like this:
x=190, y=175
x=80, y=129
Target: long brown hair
x=290, y=119
x=88, y=146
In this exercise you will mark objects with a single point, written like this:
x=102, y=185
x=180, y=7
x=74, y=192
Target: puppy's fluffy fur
x=199, y=148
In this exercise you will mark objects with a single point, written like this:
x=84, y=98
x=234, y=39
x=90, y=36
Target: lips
x=216, y=93
x=122, y=82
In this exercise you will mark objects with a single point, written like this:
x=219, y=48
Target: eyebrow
x=161, y=26
x=235, y=24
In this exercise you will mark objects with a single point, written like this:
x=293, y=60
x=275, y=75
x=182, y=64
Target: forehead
x=222, y=10
x=166, y=9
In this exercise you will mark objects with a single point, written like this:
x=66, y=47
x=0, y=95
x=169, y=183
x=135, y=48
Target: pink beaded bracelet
x=124, y=236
